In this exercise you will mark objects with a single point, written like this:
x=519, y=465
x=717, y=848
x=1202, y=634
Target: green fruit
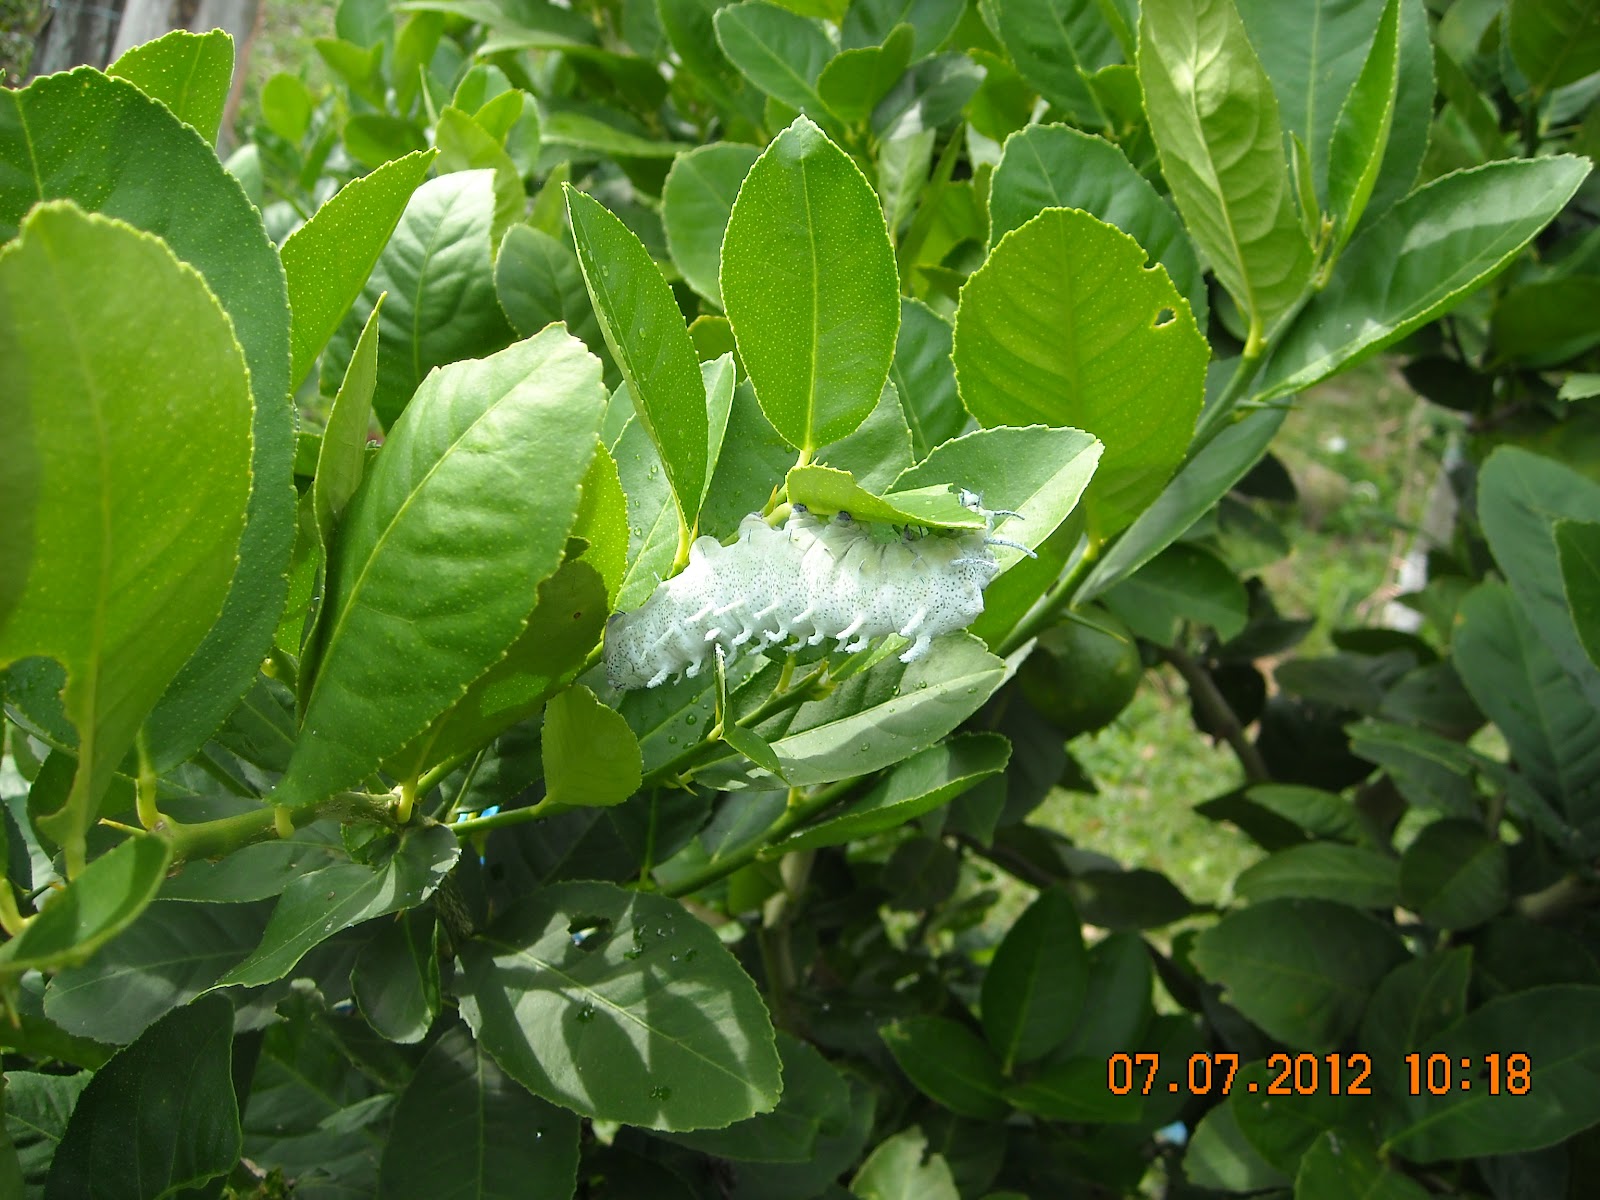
x=1079, y=678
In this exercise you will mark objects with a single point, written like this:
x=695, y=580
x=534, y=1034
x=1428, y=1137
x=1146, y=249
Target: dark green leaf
x=463, y=1131
x=1418, y=260
x=1056, y=45
x=1414, y=1002
x=1074, y=1089
x=869, y=22
x=925, y=378
x=779, y=51
x=1454, y=875
x=1336, y=1167
x=1182, y=583
x=476, y=490
x=1578, y=548
x=1555, y=42
x=620, y=1005
x=188, y=72
x=949, y=1063
x=1132, y=373
x=37, y=1108
x=538, y=280
x=1220, y=1157
x=438, y=273
x=159, y=1117
x=1324, y=870
x=1300, y=969
x=807, y=237
x=1214, y=118
x=1558, y=1028
x=315, y=907
x=1036, y=981
x=395, y=980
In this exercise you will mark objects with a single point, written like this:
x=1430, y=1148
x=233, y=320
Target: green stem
x=214, y=839
x=500, y=820
x=793, y=818
x=1057, y=598
x=1213, y=418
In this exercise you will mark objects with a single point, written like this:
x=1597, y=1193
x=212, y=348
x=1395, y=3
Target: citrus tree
x=350, y=846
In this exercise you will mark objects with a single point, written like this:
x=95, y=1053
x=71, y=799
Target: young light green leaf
x=644, y=329
x=779, y=51
x=695, y=204
x=328, y=259
x=93, y=514
x=476, y=490
x=855, y=80
x=100, y=903
x=591, y=758
x=438, y=273
x=1578, y=548
x=462, y=1128
x=465, y=145
x=902, y=1168
x=810, y=284
x=619, y=1005
x=160, y=1117
x=1132, y=373
x=103, y=143
x=1214, y=118
x=828, y=490
x=1418, y=260
x=1361, y=134
x=316, y=906
x=1036, y=982
x=188, y=72
x=342, y=453
x=1056, y=166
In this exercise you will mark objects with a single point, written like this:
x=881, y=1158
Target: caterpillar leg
x=909, y=629
x=849, y=630
x=659, y=677
x=917, y=648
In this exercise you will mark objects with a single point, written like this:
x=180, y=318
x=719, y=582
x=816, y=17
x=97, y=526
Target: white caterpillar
x=803, y=583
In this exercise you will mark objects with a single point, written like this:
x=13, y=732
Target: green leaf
x=949, y=1063
x=695, y=204
x=619, y=1005
x=809, y=282
x=779, y=51
x=1182, y=583
x=566, y=624
x=1283, y=1128
x=870, y=22
x=577, y=133
x=1334, y=1169
x=373, y=139
x=1300, y=969
x=828, y=490
x=1578, y=549
x=1036, y=981
x=1418, y=260
x=259, y=871
x=901, y=1168
x=1221, y=1158
x=1200, y=483
x=1521, y=498
x=342, y=452
x=538, y=280
x=1553, y=731
x=37, y=1108
x=925, y=378
x=1541, y=323
x=1064, y=325
x=104, y=144
x=927, y=780
x=286, y=106
x=463, y=1129
x=90, y=515
x=644, y=328
x=1416, y=1001
x=438, y=273
x=1454, y=875
x=1056, y=166
x=1324, y=870
x=883, y=716
x=395, y=980
x=159, y=1117
x=476, y=490
x=1214, y=118
x=591, y=758
x=188, y=72
x=1361, y=133
x=465, y=145
x=1558, y=1028
x=1117, y=1008
x=815, y=1103
x=100, y=903
x=1554, y=42
x=1315, y=54
x=316, y=906
x=1056, y=45
x=855, y=80
x=1075, y=1090
x=164, y=959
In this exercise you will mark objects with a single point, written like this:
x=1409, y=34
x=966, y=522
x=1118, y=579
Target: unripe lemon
x=1080, y=678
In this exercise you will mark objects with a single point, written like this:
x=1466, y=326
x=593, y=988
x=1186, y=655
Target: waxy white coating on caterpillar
x=800, y=584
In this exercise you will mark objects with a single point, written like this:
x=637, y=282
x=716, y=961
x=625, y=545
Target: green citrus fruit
x=1080, y=677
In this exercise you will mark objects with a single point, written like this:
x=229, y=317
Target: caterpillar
x=799, y=585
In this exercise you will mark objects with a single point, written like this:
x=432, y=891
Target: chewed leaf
x=826, y=490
